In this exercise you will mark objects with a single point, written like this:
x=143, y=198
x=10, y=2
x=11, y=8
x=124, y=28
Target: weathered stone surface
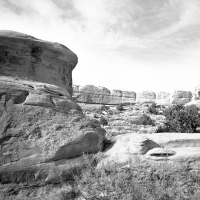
x=103, y=90
x=24, y=56
x=181, y=97
x=182, y=147
x=89, y=89
x=162, y=98
x=129, y=145
x=100, y=95
x=129, y=94
x=46, y=123
x=146, y=96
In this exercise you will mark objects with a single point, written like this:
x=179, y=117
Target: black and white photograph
x=99, y=100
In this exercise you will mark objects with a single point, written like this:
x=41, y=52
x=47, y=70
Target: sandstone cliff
x=42, y=129
x=27, y=57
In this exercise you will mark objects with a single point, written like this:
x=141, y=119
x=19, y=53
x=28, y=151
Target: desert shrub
x=137, y=182
x=144, y=119
x=103, y=121
x=104, y=108
x=153, y=109
x=182, y=119
x=120, y=107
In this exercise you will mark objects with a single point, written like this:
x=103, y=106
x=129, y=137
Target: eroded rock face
x=101, y=95
x=181, y=97
x=24, y=56
x=40, y=123
x=146, y=96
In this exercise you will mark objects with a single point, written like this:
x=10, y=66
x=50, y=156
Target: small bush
x=104, y=108
x=144, y=120
x=182, y=119
x=103, y=121
x=153, y=109
x=120, y=107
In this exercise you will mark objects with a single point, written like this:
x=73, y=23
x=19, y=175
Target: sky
x=135, y=45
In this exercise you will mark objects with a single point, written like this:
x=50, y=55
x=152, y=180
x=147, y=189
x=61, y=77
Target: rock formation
x=146, y=96
x=27, y=57
x=42, y=129
x=181, y=97
x=174, y=148
x=101, y=95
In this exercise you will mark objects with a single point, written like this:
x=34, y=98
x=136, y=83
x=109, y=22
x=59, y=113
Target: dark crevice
x=162, y=154
x=21, y=97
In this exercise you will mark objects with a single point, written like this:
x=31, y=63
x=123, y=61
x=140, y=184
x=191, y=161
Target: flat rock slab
x=180, y=147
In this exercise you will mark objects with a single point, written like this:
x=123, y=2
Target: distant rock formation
x=146, y=96
x=24, y=56
x=181, y=97
x=101, y=95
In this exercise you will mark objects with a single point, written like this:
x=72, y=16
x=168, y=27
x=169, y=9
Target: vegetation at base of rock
x=153, y=109
x=182, y=119
x=136, y=181
x=120, y=107
x=144, y=119
x=104, y=108
x=103, y=121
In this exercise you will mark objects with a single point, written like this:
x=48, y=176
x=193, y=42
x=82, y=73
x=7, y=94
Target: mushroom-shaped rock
x=26, y=57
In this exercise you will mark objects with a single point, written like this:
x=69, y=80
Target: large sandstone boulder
x=146, y=96
x=40, y=123
x=43, y=132
x=181, y=97
x=27, y=57
x=163, y=98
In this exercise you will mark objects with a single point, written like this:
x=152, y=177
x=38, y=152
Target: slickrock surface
x=176, y=148
x=24, y=56
x=181, y=97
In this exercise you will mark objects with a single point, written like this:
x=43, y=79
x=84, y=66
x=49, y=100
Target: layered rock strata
x=27, y=57
x=101, y=95
x=43, y=132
